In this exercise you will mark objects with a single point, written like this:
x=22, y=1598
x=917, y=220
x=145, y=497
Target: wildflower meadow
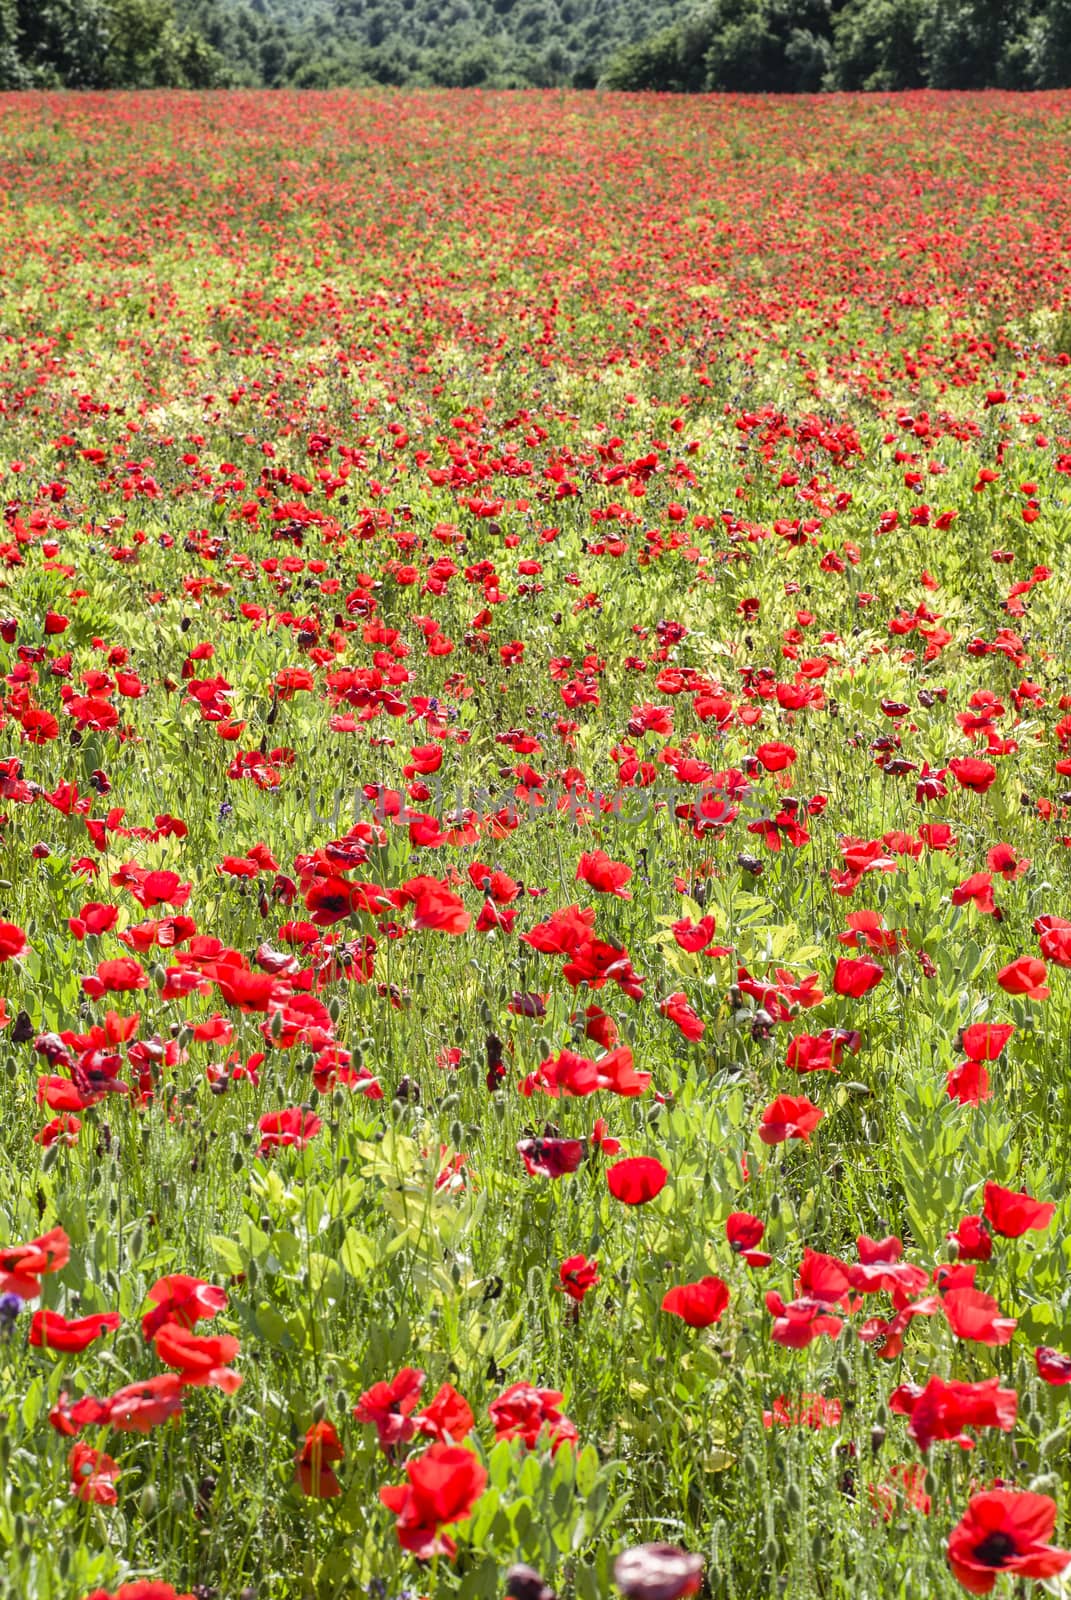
x=535, y=846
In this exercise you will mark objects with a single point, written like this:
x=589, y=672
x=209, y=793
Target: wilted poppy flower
x=700, y=1304
x=636, y=1179
x=658, y=1572
x=1005, y=1530
x=314, y=1459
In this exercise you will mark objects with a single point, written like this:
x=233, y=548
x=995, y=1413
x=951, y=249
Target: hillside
x=749, y=46
x=498, y=43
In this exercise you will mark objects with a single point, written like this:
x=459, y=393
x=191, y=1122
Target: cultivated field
x=535, y=772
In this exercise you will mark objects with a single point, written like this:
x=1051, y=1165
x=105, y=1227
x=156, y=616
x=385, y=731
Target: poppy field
x=535, y=846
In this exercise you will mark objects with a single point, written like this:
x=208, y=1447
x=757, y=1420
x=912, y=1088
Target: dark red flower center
x=996, y=1549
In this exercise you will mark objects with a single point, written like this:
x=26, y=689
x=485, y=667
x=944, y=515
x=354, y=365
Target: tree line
x=745, y=46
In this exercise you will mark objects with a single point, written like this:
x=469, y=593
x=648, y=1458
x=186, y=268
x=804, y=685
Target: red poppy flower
x=984, y=1041
x=680, y=1012
x=448, y=1418
x=140, y=1407
x=293, y=1127
x=700, y=1304
x=1054, y=937
x=388, y=1407
x=636, y=1179
x=444, y=1486
x=181, y=1299
x=854, y=977
x=524, y=1412
x=976, y=1316
x=551, y=1157
x=693, y=937
x=1005, y=1530
x=314, y=1460
x=743, y=1232
x=972, y=774
x=809, y=1411
x=606, y=876
x=577, y=1275
x=140, y=1589
x=1025, y=976
x=789, y=1117
x=775, y=756
x=972, y=1239
x=799, y=1322
x=199, y=1361
x=968, y=1083
x=12, y=942
x=22, y=1265
x=434, y=906
x=1052, y=1365
x=1012, y=1213
x=48, y=1330
x=943, y=1409
x=93, y=1476
x=121, y=976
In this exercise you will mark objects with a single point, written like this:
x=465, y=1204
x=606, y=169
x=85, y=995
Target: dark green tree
x=877, y=45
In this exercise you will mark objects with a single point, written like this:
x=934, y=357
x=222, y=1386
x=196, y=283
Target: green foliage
x=102, y=44
x=799, y=46
x=736, y=46
x=877, y=45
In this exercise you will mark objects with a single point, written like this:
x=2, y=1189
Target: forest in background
x=744, y=46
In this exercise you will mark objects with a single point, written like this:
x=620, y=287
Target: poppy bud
x=524, y=1583
x=658, y=1572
